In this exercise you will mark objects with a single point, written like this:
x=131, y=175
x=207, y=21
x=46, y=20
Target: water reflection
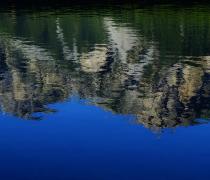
x=152, y=63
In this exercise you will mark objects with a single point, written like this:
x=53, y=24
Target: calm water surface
x=105, y=93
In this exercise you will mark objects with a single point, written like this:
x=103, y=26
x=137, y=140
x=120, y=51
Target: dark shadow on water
x=86, y=4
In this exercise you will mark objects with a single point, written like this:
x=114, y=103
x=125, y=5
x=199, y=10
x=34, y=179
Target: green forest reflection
x=151, y=63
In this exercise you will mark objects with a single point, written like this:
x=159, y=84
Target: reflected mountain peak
x=146, y=68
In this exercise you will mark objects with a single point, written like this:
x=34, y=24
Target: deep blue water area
x=105, y=93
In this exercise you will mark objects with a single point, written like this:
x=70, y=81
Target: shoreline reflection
x=156, y=67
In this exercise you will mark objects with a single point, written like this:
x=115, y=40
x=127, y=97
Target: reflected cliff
x=151, y=63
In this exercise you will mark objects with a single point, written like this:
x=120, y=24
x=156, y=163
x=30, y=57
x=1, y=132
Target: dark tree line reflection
x=154, y=64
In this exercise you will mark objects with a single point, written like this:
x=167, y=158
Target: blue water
x=116, y=93
x=81, y=141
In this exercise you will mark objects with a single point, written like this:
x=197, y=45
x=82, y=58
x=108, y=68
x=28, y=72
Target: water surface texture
x=114, y=93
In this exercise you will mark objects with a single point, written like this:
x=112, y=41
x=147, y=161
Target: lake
x=105, y=93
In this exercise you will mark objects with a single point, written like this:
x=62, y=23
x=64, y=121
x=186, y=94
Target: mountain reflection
x=154, y=64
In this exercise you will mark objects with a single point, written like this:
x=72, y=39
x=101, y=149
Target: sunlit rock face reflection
x=153, y=64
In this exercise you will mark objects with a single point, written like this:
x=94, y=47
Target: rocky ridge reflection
x=135, y=66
